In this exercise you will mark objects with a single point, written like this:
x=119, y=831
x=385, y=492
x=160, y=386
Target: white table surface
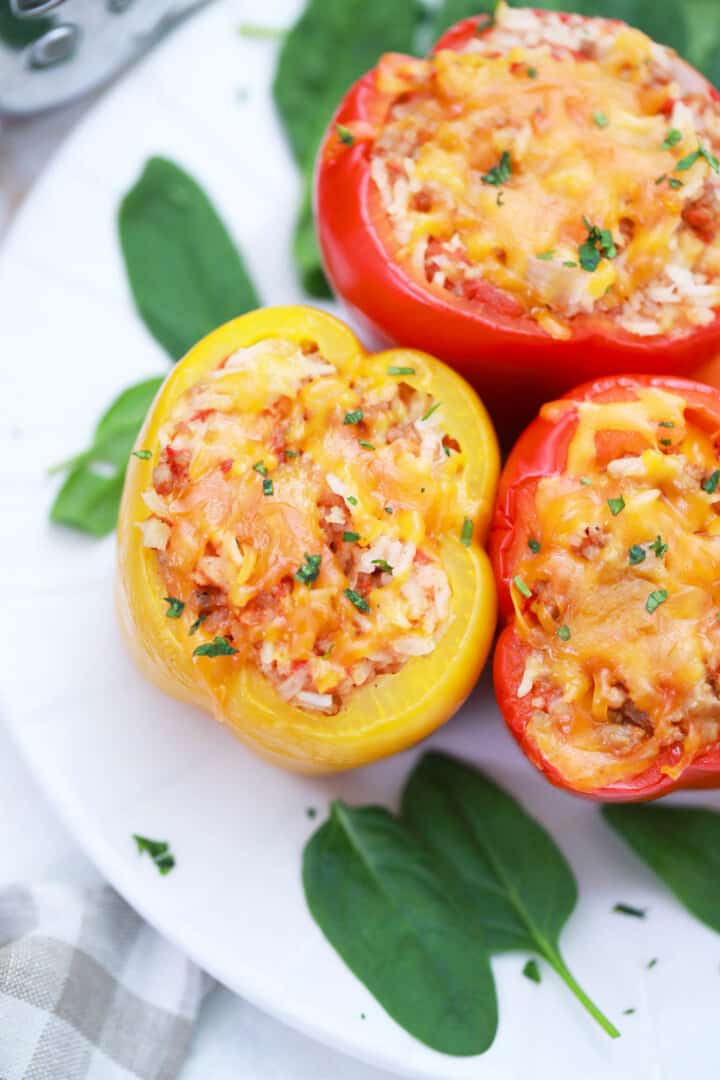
x=233, y=1039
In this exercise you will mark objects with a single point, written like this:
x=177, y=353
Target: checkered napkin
x=88, y=990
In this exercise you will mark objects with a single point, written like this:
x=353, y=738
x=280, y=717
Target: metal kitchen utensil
x=55, y=50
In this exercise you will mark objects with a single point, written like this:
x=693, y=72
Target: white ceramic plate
x=116, y=756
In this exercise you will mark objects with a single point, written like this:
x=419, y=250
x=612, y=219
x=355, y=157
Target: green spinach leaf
x=330, y=46
x=185, y=273
x=500, y=858
x=90, y=497
x=682, y=845
x=380, y=902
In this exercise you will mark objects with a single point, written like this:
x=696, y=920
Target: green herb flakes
x=667, y=423
x=601, y=119
x=658, y=547
x=710, y=483
x=616, y=505
x=628, y=1012
x=675, y=183
x=393, y=370
x=383, y=565
x=433, y=408
x=585, y=480
x=655, y=599
x=564, y=633
x=672, y=138
x=357, y=600
x=651, y=963
x=158, y=850
x=353, y=417
x=628, y=909
x=267, y=486
x=345, y=135
x=636, y=554
x=569, y=262
x=260, y=468
x=521, y=586
x=197, y=624
x=351, y=537
x=220, y=646
x=597, y=245
x=291, y=453
x=466, y=532
x=702, y=152
x=366, y=445
x=545, y=255
x=500, y=173
x=534, y=545
x=532, y=73
x=144, y=455
x=531, y=971
x=309, y=571
x=352, y=500
x=175, y=607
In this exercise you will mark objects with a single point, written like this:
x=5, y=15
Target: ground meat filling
x=298, y=512
x=618, y=598
x=562, y=166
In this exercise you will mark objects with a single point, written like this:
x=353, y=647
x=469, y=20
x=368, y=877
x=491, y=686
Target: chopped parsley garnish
x=466, y=532
x=672, y=138
x=158, y=850
x=499, y=198
x=175, y=608
x=658, y=547
x=601, y=119
x=616, y=505
x=144, y=455
x=366, y=445
x=628, y=909
x=651, y=963
x=521, y=586
x=636, y=554
x=675, y=183
x=532, y=73
x=219, y=647
x=351, y=537
x=388, y=509
x=383, y=565
x=499, y=173
x=532, y=971
x=547, y=255
x=291, y=453
x=569, y=262
x=534, y=545
x=663, y=176
x=393, y=370
x=353, y=417
x=267, y=486
x=352, y=500
x=666, y=442
x=431, y=410
x=260, y=468
x=628, y=1012
x=585, y=480
x=710, y=483
x=447, y=450
x=198, y=623
x=564, y=633
x=655, y=599
x=345, y=135
x=309, y=571
x=701, y=152
x=667, y=423
x=598, y=244
x=357, y=600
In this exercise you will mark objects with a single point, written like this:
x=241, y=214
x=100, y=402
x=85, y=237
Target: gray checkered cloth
x=88, y=991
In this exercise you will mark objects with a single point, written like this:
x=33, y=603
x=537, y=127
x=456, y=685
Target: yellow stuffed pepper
x=300, y=539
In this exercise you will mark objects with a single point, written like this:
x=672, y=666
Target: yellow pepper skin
x=383, y=717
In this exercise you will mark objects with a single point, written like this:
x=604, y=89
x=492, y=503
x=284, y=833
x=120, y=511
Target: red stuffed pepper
x=537, y=202
x=606, y=549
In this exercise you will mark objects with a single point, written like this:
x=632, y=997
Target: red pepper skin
x=541, y=451
x=503, y=352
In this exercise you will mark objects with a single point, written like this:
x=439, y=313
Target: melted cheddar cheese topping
x=563, y=161
x=618, y=597
x=298, y=512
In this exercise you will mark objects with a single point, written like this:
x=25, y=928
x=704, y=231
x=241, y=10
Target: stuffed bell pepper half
x=537, y=203
x=300, y=539
x=606, y=548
